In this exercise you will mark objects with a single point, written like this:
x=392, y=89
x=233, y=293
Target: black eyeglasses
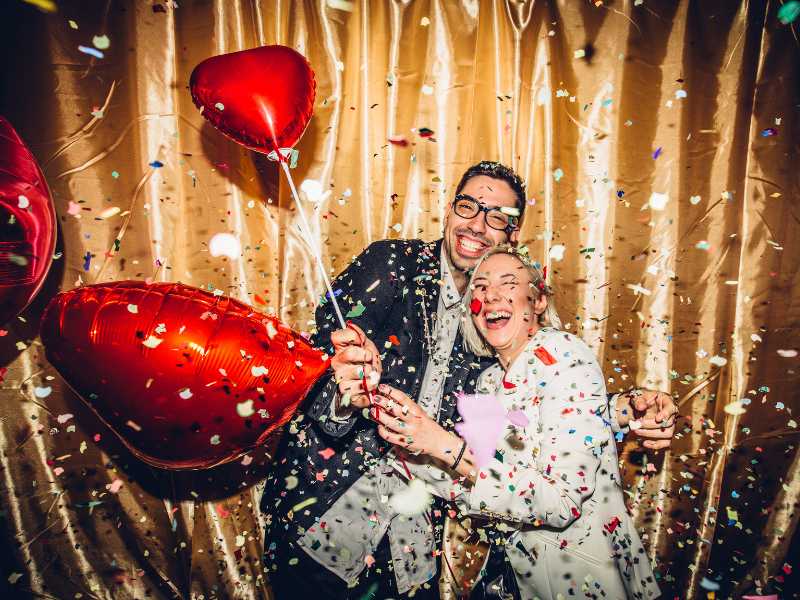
x=467, y=207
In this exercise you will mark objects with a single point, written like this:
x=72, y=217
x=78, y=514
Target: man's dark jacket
x=391, y=291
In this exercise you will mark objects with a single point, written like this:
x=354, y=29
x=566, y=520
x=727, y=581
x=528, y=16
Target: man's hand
x=650, y=415
x=355, y=360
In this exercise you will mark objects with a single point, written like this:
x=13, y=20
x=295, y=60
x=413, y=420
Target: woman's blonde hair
x=473, y=340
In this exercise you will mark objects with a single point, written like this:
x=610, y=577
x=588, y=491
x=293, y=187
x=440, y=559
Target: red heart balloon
x=262, y=98
x=186, y=379
x=27, y=224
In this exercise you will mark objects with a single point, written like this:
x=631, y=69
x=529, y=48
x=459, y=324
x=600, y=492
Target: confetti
x=658, y=201
x=42, y=392
x=23, y=202
x=414, y=499
x=789, y=12
x=557, y=252
x=558, y=174
x=115, y=486
x=90, y=51
x=787, y=353
x=225, y=244
x=101, y=42
x=152, y=341
x=245, y=409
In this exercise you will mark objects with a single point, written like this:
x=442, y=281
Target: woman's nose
x=491, y=294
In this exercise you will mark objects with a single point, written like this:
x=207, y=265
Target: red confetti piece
x=393, y=339
x=475, y=306
x=327, y=453
x=544, y=356
x=612, y=525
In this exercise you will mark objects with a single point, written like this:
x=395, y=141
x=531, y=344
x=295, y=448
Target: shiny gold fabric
x=658, y=139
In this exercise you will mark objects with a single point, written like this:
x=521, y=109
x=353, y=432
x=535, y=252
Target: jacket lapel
x=426, y=297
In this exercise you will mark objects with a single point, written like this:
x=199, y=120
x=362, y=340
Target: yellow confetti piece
x=43, y=5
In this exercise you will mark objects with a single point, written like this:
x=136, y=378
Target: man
x=336, y=521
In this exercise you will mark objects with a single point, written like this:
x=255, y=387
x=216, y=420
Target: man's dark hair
x=495, y=170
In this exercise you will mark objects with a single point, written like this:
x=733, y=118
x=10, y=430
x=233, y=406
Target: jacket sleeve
x=566, y=447
x=365, y=293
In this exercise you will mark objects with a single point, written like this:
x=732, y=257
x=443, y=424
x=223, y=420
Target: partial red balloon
x=261, y=98
x=186, y=379
x=27, y=224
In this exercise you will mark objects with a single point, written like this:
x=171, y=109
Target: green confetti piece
x=356, y=311
x=789, y=12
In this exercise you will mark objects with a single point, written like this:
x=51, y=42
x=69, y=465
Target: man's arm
x=365, y=294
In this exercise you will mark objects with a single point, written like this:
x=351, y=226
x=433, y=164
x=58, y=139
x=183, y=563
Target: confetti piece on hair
x=91, y=51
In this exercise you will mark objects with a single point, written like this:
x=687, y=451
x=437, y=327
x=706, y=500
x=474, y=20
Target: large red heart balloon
x=27, y=224
x=262, y=98
x=187, y=379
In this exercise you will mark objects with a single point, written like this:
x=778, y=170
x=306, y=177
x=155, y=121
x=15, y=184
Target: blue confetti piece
x=87, y=260
x=707, y=584
x=156, y=164
x=619, y=436
x=734, y=494
x=91, y=51
x=769, y=132
x=657, y=153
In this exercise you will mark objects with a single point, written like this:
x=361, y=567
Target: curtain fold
x=658, y=139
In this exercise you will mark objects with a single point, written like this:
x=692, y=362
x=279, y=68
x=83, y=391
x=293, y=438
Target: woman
x=552, y=491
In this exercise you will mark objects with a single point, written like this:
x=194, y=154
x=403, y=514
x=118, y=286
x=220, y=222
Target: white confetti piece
x=735, y=408
x=152, y=341
x=101, y=42
x=787, y=353
x=413, y=500
x=240, y=538
x=313, y=190
x=246, y=460
x=64, y=418
x=695, y=200
x=718, y=361
x=42, y=392
x=110, y=212
x=245, y=409
x=132, y=308
x=271, y=331
x=258, y=371
x=658, y=201
x=557, y=252
x=427, y=90
x=225, y=244
x=637, y=289
x=23, y=201
x=185, y=393
x=215, y=440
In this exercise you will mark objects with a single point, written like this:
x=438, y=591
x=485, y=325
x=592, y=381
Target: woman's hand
x=402, y=422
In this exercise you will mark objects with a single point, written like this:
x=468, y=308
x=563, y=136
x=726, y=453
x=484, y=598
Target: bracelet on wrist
x=460, y=455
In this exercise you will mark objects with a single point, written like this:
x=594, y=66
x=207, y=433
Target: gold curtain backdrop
x=659, y=143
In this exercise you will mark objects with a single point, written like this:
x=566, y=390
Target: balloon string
x=314, y=248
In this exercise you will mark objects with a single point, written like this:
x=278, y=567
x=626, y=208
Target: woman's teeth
x=496, y=315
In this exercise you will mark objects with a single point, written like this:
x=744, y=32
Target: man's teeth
x=470, y=245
